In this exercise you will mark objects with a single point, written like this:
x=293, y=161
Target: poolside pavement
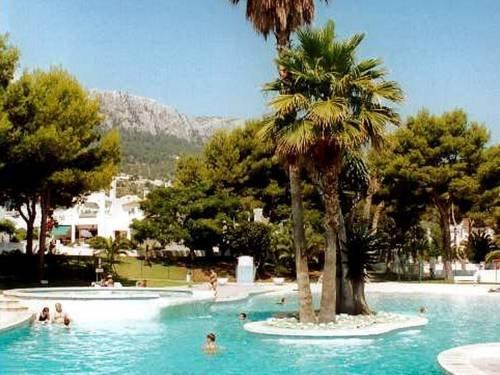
x=477, y=359
x=233, y=291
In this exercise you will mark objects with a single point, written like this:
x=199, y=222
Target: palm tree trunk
x=360, y=304
x=328, y=304
x=306, y=310
x=346, y=303
x=329, y=192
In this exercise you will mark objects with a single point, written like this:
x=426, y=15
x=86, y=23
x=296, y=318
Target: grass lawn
x=130, y=270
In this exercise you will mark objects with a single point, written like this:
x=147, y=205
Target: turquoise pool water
x=171, y=345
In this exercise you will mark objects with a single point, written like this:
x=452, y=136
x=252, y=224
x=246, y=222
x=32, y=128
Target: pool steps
x=11, y=304
x=13, y=314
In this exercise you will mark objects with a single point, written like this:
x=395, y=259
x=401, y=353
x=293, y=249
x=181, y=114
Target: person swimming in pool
x=243, y=316
x=210, y=346
x=282, y=301
x=67, y=321
x=44, y=316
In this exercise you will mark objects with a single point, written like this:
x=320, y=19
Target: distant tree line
x=152, y=156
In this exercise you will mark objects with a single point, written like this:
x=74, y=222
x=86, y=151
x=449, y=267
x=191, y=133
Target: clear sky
x=203, y=57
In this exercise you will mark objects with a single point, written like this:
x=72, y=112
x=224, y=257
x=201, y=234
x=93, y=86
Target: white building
x=100, y=214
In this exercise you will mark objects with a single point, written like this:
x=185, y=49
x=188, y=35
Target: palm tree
x=480, y=244
x=491, y=256
x=110, y=248
x=282, y=18
x=338, y=106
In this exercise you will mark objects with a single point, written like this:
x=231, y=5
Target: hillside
x=152, y=156
x=153, y=134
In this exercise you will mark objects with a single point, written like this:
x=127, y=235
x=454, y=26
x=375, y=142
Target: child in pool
x=210, y=346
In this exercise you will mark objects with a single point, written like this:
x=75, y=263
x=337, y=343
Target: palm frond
x=354, y=41
x=331, y=100
x=387, y=90
x=297, y=139
x=285, y=104
x=327, y=112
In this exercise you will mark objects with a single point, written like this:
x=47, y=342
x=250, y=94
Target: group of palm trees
x=328, y=106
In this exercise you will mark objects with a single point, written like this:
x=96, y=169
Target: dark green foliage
x=19, y=270
x=250, y=238
x=354, y=179
x=193, y=215
x=153, y=156
x=480, y=244
x=143, y=230
x=9, y=58
x=433, y=161
x=204, y=233
x=7, y=226
x=486, y=208
x=283, y=252
x=220, y=188
x=53, y=151
x=165, y=210
x=363, y=250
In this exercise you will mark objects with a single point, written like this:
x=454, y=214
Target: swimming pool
x=107, y=304
x=170, y=344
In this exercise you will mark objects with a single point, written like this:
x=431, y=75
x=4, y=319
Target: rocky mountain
x=138, y=114
x=153, y=135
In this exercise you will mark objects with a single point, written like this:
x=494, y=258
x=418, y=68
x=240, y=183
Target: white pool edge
x=43, y=293
x=21, y=320
x=261, y=327
x=457, y=361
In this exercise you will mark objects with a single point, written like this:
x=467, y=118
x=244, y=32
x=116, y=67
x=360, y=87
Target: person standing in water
x=210, y=346
x=212, y=279
x=59, y=315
